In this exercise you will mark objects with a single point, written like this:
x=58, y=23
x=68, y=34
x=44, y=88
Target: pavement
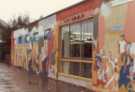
x=14, y=79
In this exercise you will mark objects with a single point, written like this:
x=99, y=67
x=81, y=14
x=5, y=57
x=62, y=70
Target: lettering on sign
x=80, y=16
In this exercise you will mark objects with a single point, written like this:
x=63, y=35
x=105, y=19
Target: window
x=75, y=32
x=76, y=47
x=77, y=40
x=81, y=69
x=76, y=68
x=20, y=40
x=88, y=30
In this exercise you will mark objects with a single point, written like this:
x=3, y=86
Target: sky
x=10, y=9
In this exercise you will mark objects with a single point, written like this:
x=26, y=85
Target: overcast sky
x=34, y=8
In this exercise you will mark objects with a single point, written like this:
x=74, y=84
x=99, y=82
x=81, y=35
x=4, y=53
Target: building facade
x=65, y=43
x=78, y=29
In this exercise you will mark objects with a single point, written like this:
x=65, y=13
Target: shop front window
x=87, y=38
x=75, y=40
x=77, y=46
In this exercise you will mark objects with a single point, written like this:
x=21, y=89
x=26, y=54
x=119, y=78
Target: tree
x=18, y=22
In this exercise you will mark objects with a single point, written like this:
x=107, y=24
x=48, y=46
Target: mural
x=71, y=50
x=36, y=45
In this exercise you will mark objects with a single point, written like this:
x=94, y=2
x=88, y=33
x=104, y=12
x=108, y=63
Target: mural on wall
x=51, y=55
x=47, y=49
x=118, y=26
x=37, y=45
x=44, y=54
x=114, y=27
x=48, y=25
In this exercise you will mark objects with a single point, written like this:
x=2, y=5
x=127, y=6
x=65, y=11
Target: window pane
x=87, y=50
x=75, y=39
x=75, y=32
x=87, y=37
x=87, y=30
x=86, y=70
x=75, y=50
x=65, y=41
x=75, y=68
x=65, y=66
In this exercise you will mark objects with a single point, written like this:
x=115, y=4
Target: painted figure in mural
x=131, y=74
x=122, y=47
x=52, y=59
x=111, y=71
x=98, y=60
x=101, y=68
x=132, y=65
x=132, y=53
x=124, y=79
x=44, y=72
x=37, y=64
x=127, y=75
x=43, y=61
x=30, y=68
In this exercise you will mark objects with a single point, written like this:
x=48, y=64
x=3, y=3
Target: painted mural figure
x=131, y=74
x=101, y=68
x=132, y=66
x=124, y=76
x=98, y=60
x=132, y=53
x=122, y=47
x=44, y=63
x=112, y=71
x=43, y=60
x=30, y=69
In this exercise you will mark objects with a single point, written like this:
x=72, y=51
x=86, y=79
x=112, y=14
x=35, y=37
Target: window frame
x=81, y=41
